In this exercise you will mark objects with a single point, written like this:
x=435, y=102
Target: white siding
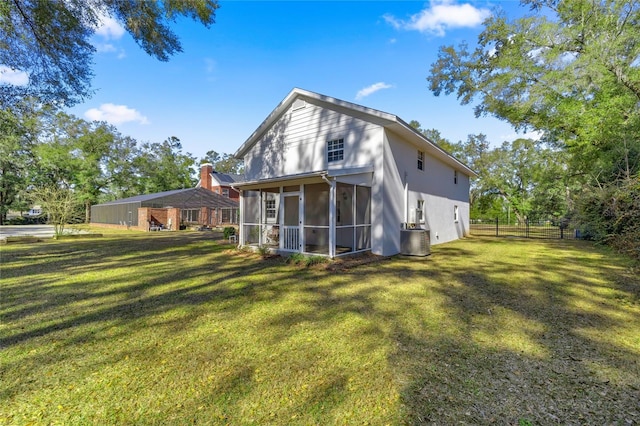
x=434, y=184
x=297, y=142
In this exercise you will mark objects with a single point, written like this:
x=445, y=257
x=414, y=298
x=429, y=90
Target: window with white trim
x=270, y=209
x=455, y=213
x=335, y=150
x=420, y=160
x=225, y=192
x=419, y=212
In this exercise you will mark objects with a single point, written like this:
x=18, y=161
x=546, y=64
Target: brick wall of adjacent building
x=167, y=218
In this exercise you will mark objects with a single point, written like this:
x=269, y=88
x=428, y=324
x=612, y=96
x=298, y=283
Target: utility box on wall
x=415, y=242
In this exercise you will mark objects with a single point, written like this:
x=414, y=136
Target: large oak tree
x=570, y=69
x=50, y=40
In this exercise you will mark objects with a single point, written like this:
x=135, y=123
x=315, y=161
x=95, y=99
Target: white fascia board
x=278, y=179
x=349, y=171
x=315, y=175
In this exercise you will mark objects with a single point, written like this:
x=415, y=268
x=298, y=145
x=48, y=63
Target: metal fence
x=529, y=228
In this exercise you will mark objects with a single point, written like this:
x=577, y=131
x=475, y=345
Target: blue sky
x=232, y=75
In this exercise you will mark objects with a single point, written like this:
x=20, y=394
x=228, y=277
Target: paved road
x=43, y=231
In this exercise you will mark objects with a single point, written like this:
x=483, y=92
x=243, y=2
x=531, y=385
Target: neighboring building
x=34, y=211
x=167, y=210
x=330, y=177
x=220, y=183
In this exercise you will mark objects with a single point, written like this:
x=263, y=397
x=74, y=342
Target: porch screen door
x=291, y=235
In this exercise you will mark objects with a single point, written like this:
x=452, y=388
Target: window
x=229, y=215
x=455, y=177
x=270, y=208
x=225, y=192
x=335, y=150
x=455, y=213
x=190, y=215
x=419, y=214
x=420, y=160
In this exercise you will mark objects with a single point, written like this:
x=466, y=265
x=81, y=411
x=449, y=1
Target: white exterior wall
x=434, y=184
x=297, y=143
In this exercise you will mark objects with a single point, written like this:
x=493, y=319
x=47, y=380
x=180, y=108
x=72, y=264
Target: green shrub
x=296, y=258
x=316, y=260
x=264, y=251
x=301, y=259
x=228, y=231
x=611, y=215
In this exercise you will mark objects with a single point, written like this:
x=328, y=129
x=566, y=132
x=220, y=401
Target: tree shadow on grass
x=532, y=341
x=490, y=342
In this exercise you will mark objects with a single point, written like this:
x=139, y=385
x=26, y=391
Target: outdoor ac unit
x=415, y=242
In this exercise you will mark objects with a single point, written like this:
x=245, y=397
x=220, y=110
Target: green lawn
x=169, y=328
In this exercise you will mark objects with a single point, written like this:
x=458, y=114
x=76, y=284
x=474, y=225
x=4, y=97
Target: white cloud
x=13, y=77
x=362, y=93
x=105, y=47
x=109, y=28
x=440, y=16
x=115, y=114
x=110, y=48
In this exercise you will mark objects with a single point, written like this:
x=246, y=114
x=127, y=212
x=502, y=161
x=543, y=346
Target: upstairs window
x=455, y=177
x=420, y=160
x=335, y=150
x=225, y=192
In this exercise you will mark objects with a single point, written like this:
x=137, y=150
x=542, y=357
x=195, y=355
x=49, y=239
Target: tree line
x=45, y=153
x=61, y=161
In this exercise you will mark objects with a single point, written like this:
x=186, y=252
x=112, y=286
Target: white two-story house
x=329, y=177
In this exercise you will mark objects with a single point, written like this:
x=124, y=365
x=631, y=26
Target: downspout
x=406, y=200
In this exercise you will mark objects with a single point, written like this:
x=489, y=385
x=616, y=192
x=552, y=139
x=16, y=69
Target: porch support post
x=281, y=219
x=332, y=219
x=260, y=220
x=241, y=226
x=301, y=242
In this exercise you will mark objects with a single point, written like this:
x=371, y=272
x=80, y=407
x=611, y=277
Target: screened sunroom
x=320, y=215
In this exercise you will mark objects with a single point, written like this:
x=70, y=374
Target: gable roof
x=386, y=120
x=226, y=178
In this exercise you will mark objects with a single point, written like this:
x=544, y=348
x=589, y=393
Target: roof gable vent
x=299, y=104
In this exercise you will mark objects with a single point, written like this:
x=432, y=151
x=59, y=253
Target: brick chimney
x=205, y=175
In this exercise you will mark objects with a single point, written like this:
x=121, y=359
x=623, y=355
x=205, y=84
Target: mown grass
x=169, y=328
